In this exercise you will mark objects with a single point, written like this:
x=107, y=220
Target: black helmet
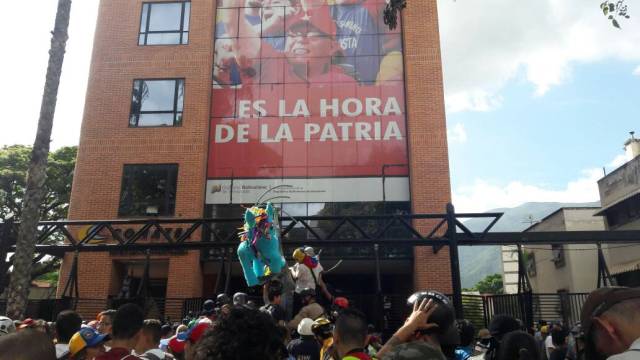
x=444, y=315
x=307, y=292
x=239, y=299
x=208, y=307
x=222, y=299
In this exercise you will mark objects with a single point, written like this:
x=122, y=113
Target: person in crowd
x=548, y=341
x=27, y=345
x=223, y=303
x=374, y=341
x=518, y=345
x=482, y=343
x=307, y=273
x=610, y=318
x=87, y=344
x=559, y=339
x=149, y=341
x=182, y=343
x=243, y=334
x=68, y=322
x=273, y=307
x=350, y=335
x=105, y=321
x=208, y=313
x=240, y=299
x=125, y=333
x=305, y=347
x=467, y=337
x=6, y=326
x=411, y=340
x=311, y=309
x=166, y=332
x=500, y=326
x=322, y=329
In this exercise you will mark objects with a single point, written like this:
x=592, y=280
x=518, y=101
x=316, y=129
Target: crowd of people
x=234, y=328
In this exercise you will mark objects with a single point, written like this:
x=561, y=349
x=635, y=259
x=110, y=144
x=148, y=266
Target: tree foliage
x=491, y=284
x=615, y=10
x=14, y=161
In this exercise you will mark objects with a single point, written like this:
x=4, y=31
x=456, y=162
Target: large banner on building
x=307, y=93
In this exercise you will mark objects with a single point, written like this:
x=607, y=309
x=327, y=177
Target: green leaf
x=605, y=10
x=612, y=7
x=610, y=17
x=615, y=23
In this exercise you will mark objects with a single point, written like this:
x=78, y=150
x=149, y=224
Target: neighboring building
x=620, y=199
x=564, y=268
x=188, y=115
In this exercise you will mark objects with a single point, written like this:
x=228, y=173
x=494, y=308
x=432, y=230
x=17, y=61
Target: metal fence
x=387, y=312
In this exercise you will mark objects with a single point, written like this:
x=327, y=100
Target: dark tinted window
x=148, y=190
x=164, y=23
x=157, y=102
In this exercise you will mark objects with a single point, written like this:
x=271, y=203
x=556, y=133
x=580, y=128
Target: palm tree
x=36, y=176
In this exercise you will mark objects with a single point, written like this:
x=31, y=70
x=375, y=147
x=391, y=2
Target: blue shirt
x=464, y=353
x=358, y=39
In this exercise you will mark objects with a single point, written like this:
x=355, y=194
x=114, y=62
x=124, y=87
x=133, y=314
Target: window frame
x=175, y=111
x=167, y=167
x=146, y=31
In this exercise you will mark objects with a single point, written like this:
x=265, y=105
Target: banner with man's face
x=309, y=94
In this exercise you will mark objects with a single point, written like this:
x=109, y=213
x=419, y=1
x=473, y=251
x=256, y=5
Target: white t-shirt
x=548, y=343
x=303, y=275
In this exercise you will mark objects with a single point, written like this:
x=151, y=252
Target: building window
x=164, y=23
x=557, y=255
x=148, y=190
x=157, y=103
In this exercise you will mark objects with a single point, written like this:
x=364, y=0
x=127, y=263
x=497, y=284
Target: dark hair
x=154, y=328
x=127, y=321
x=558, y=336
x=242, y=334
x=518, y=345
x=467, y=332
x=503, y=324
x=27, y=344
x=68, y=322
x=274, y=289
x=165, y=330
x=351, y=327
x=109, y=312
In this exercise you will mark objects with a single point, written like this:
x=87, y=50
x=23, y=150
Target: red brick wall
x=428, y=158
x=107, y=142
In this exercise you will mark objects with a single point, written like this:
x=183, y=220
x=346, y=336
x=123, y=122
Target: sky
x=539, y=97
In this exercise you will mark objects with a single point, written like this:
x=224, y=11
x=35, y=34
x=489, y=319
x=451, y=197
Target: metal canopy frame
x=435, y=230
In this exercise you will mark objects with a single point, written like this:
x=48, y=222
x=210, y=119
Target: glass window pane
x=165, y=17
x=163, y=119
x=187, y=15
x=143, y=17
x=180, y=100
x=158, y=95
x=163, y=39
x=178, y=119
x=185, y=38
x=141, y=39
x=148, y=190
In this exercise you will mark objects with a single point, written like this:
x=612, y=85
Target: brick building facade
x=108, y=143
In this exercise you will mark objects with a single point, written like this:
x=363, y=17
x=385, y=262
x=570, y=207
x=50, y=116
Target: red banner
x=304, y=89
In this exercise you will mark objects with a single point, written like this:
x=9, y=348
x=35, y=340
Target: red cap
x=318, y=16
x=341, y=302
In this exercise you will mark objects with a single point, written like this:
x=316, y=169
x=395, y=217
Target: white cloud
x=23, y=73
x=636, y=71
x=486, y=44
x=457, y=134
x=483, y=196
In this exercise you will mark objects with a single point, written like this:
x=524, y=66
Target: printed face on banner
x=306, y=89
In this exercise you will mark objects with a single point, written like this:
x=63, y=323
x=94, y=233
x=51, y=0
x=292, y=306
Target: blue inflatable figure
x=260, y=244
